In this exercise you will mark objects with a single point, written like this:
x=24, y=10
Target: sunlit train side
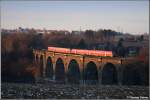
x=82, y=52
x=56, y=49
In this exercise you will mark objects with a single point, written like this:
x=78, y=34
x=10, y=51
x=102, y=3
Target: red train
x=80, y=51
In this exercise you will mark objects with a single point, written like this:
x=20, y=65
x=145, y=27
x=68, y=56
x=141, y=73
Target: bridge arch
x=59, y=70
x=41, y=66
x=91, y=73
x=36, y=58
x=73, y=73
x=109, y=74
x=49, y=68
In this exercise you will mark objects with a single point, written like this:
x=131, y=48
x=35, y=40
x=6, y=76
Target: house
x=132, y=50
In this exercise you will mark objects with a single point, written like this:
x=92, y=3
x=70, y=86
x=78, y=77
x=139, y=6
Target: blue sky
x=126, y=16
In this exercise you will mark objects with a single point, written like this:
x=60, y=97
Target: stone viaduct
x=75, y=68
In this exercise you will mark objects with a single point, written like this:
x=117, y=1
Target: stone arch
x=60, y=70
x=73, y=73
x=133, y=74
x=49, y=68
x=109, y=74
x=41, y=66
x=36, y=58
x=91, y=73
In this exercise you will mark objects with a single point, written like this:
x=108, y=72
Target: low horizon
x=76, y=30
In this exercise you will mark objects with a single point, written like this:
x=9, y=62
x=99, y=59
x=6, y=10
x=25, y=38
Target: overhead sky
x=125, y=16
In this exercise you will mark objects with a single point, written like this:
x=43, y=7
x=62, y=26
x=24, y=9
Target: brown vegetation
x=17, y=58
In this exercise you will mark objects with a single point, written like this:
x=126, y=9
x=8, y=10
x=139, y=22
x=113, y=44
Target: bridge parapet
x=129, y=60
x=112, y=60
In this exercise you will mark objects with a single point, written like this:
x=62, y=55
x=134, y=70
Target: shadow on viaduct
x=73, y=68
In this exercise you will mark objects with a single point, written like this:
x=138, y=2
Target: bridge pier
x=120, y=72
x=54, y=77
x=82, y=80
x=99, y=77
x=44, y=66
x=120, y=76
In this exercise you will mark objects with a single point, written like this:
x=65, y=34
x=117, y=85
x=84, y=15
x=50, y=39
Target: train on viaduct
x=64, y=66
